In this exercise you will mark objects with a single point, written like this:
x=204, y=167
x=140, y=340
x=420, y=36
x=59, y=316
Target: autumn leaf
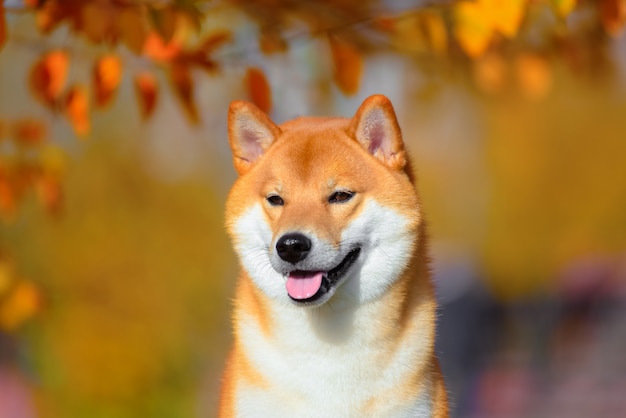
x=182, y=82
x=259, y=89
x=77, y=109
x=29, y=131
x=49, y=192
x=3, y=27
x=271, y=42
x=6, y=276
x=348, y=65
x=200, y=56
x=48, y=75
x=436, y=32
x=613, y=15
x=50, y=13
x=147, y=91
x=164, y=21
x=563, y=7
x=107, y=75
x=8, y=199
x=473, y=27
x=506, y=15
x=132, y=28
x=97, y=21
x=21, y=304
x=490, y=73
x=534, y=75
x=157, y=49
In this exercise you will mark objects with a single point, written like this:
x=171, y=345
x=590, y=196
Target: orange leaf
x=49, y=192
x=216, y=40
x=8, y=199
x=259, y=89
x=3, y=27
x=490, y=73
x=48, y=75
x=107, y=75
x=473, y=27
x=21, y=304
x=270, y=42
x=77, y=109
x=613, y=13
x=147, y=92
x=506, y=15
x=97, y=21
x=181, y=80
x=534, y=75
x=6, y=276
x=132, y=27
x=50, y=13
x=29, y=131
x=436, y=32
x=348, y=65
x=156, y=49
x=164, y=20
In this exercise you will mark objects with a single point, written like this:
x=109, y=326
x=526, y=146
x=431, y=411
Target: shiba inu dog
x=334, y=311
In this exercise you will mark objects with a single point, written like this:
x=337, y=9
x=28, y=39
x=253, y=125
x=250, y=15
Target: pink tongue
x=303, y=285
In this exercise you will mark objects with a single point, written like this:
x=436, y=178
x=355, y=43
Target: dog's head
x=323, y=207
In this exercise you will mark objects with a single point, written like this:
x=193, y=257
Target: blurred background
x=116, y=276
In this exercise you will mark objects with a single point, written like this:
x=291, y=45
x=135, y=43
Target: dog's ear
x=250, y=133
x=375, y=126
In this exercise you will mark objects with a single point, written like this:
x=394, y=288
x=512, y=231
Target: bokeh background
x=116, y=275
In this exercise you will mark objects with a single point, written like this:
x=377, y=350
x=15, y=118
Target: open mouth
x=307, y=287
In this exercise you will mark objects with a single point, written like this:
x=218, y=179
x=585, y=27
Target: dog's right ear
x=250, y=133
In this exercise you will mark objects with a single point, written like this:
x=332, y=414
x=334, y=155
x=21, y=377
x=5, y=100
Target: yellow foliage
x=473, y=26
x=477, y=21
x=22, y=302
x=506, y=15
x=564, y=7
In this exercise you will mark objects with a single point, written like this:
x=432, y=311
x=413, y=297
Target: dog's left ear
x=250, y=133
x=375, y=126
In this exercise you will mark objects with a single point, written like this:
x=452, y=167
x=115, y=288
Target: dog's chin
x=331, y=280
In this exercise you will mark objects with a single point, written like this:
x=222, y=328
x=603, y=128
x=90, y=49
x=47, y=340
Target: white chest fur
x=326, y=363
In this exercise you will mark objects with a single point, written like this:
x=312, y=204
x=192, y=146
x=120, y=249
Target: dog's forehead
x=320, y=155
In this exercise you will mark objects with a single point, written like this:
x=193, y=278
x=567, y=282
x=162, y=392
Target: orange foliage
x=3, y=29
x=259, y=89
x=563, y=7
x=107, y=75
x=48, y=75
x=29, y=131
x=613, y=14
x=162, y=33
x=476, y=22
x=77, y=109
x=157, y=49
x=534, y=75
x=182, y=82
x=22, y=302
x=347, y=65
x=147, y=91
x=20, y=299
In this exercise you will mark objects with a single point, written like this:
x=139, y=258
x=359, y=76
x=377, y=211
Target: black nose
x=293, y=247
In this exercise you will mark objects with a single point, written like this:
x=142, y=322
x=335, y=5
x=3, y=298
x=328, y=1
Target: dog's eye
x=275, y=200
x=340, y=196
